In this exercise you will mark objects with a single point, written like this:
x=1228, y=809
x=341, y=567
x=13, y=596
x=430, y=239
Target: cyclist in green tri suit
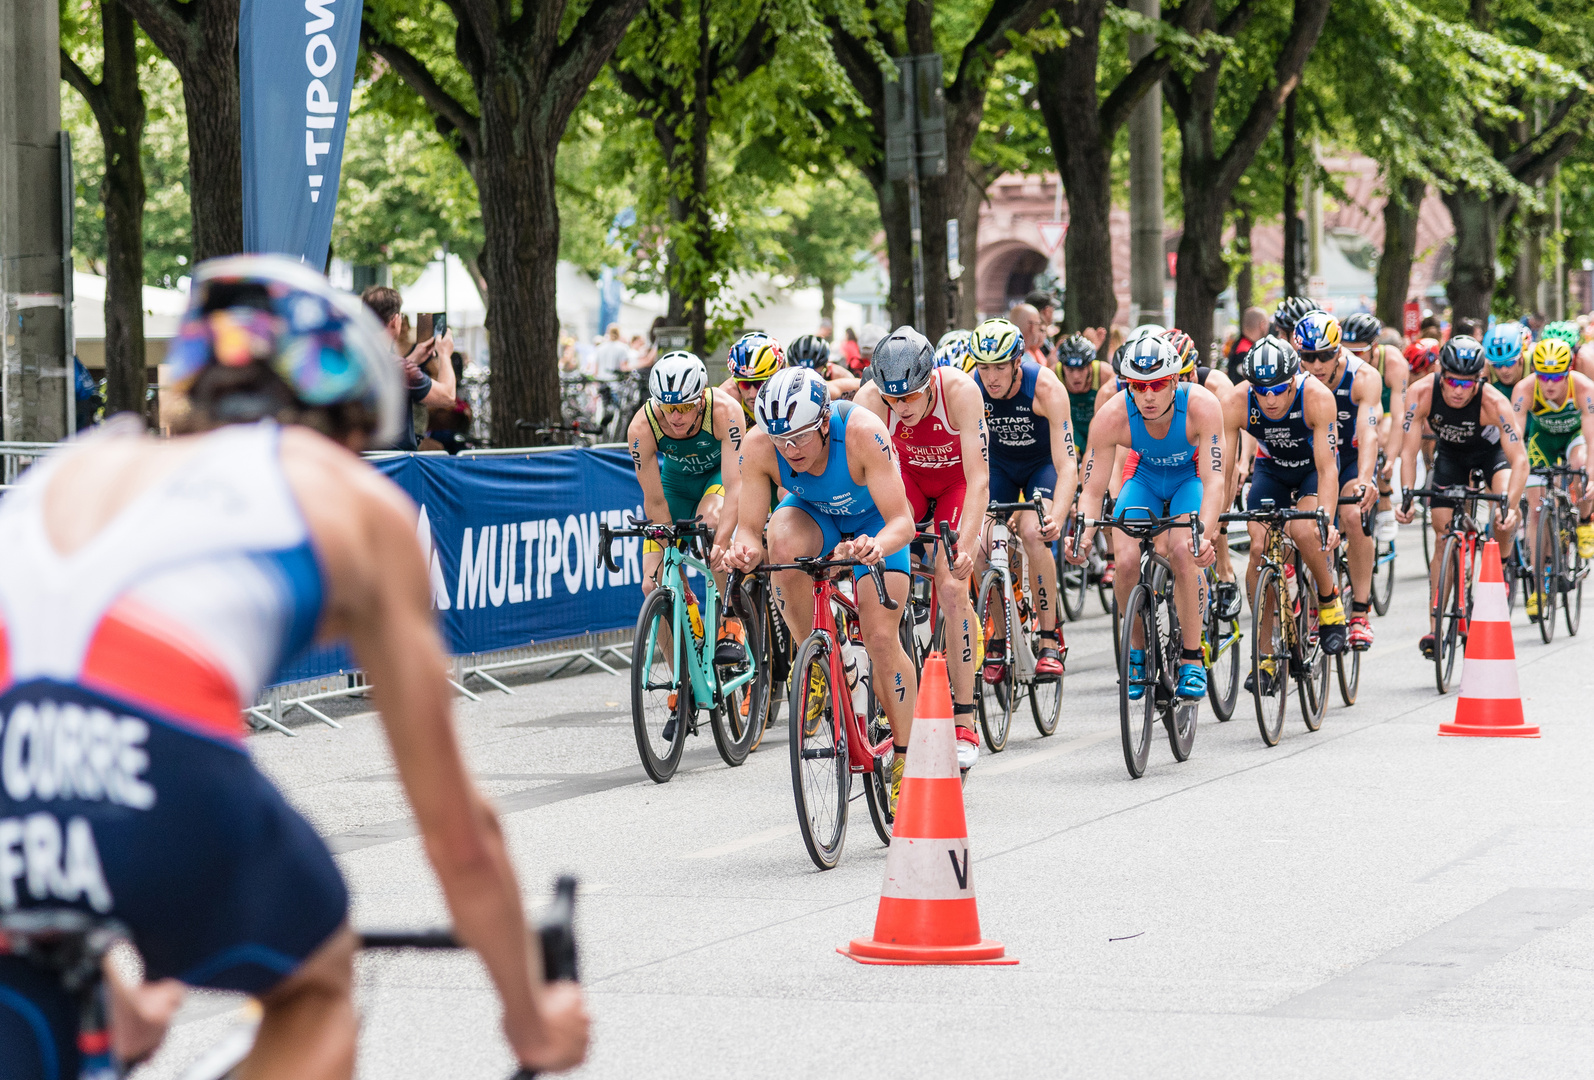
x=1551, y=403
x=1083, y=377
x=680, y=440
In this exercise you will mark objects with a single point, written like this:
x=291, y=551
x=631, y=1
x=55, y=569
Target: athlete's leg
x=895, y=682
x=1042, y=566
x=793, y=532
x=308, y=1027
x=1310, y=545
x=1498, y=483
x=1439, y=516
x=1359, y=552
x=708, y=508
x=1189, y=585
x=140, y=1012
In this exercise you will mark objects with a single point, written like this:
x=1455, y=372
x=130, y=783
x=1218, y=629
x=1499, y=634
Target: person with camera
x=428, y=373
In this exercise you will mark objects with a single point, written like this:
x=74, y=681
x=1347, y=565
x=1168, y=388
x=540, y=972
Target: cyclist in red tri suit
x=936, y=418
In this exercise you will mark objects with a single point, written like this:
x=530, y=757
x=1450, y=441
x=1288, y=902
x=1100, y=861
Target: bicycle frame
x=861, y=754
x=706, y=684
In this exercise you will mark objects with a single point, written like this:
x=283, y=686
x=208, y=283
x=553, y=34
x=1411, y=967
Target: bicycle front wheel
x=821, y=778
x=1348, y=664
x=1072, y=582
x=738, y=720
x=1544, y=572
x=1383, y=577
x=1449, y=611
x=661, y=692
x=1137, y=717
x=1223, y=665
x=1572, y=573
x=1311, y=662
x=996, y=699
x=1270, y=656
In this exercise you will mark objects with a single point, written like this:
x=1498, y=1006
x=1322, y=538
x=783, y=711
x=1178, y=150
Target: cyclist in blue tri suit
x=846, y=500
x=1175, y=429
x=1295, y=422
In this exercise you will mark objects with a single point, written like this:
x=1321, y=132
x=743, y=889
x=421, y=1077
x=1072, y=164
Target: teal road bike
x=673, y=670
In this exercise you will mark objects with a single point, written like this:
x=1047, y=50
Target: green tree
x=833, y=221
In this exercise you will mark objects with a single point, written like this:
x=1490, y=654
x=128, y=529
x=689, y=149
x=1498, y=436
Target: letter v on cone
x=927, y=912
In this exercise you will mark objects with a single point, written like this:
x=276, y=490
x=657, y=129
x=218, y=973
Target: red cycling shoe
x=1361, y=633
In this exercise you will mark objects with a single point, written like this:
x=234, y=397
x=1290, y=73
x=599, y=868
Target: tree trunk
x=122, y=196
x=1472, y=278
x=1525, y=274
x=1294, y=278
x=200, y=38
x=1203, y=274
x=967, y=312
x=1400, y=248
x=702, y=226
x=1243, y=280
x=827, y=302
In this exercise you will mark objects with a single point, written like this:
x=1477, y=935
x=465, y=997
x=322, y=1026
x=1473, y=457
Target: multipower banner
x=512, y=548
x=296, y=74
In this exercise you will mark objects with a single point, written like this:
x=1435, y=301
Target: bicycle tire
x=1072, y=583
x=1348, y=664
x=654, y=676
x=1311, y=680
x=996, y=715
x=1572, y=585
x=1178, y=714
x=1545, y=577
x=1427, y=536
x=1223, y=655
x=1104, y=591
x=774, y=655
x=1136, y=718
x=877, y=792
x=1448, y=609
x=738, y=719
x=1383, y=577
x=1269, y=649
x=821, y=777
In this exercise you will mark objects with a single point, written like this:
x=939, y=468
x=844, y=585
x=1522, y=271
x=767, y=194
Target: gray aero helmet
x=792, y=400
x=677, y=378
x=902, y=362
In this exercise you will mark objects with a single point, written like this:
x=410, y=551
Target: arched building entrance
x=1006, y=272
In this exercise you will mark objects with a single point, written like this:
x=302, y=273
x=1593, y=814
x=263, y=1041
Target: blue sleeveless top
x=1018, y=434
x=1173, y=451
x=833, y=491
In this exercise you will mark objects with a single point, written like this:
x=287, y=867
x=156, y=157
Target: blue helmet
x=1316, y=332
x=1502, y=345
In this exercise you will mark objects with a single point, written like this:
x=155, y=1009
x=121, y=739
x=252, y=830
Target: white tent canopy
x=163, y=308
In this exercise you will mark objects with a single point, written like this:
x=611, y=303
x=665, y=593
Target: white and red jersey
x=931, y=451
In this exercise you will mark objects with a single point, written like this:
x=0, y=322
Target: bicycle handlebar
x=1140, y=528
x=684, y=529
x=1268, y=514
x=1453, y=491
x=817, y=568
x=1014, y=507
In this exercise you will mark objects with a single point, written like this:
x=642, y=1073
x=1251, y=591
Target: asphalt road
x=1370, y=899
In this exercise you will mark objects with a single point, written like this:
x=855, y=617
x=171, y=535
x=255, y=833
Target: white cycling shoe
x=968, y=742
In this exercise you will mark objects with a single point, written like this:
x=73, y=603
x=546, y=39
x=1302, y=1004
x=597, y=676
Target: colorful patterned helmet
x=1316, y=333
x=1503, y=344
x=1552, y=356
x=1361, y=328
x=677, y=378
x=792, y=401
x=809, y=351
x=996, y=341
x=1289, y=312
x=953, y=350
x=1076, y=351
x=1563, y=331
x=1184, y=345
x=1462, y=356
x=324, y=343
x=755, y=357
x=1272, y=362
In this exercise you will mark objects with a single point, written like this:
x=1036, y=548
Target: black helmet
x=1075, y=350
x=1289, y=312
x=809, y=351
x=1361, y=328
x=1462, y=356
x=902, y=363
x=1271, y=362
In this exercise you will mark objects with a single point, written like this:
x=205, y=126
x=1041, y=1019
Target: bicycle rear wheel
x=738, y=719
x=1178, y=714
x=1449, y=607
x=877, y=788
x=1383, y=577
x=1072, y=582
x=1347, y=664
x=1103, y=587
x=1545, y=578
x=1311, y=666
x=656, y=679
x=1046, y=702
x=1572, y=572
x=1137, y=717
x=996, y=700
x=1223, y=666
x=1270, y=656
x=821, y=778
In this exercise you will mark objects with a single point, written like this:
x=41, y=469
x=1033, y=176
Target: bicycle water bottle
x=854, y=662
x=694, y=613
x=999, y=537
x=1290, y=587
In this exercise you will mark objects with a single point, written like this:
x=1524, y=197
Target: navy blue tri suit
x=1285, y=469
x=841, y=507
x=1348, y=435
x=1021, y=441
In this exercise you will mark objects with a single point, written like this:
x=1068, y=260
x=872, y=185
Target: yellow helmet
x=996, y=341
x=1552, y=356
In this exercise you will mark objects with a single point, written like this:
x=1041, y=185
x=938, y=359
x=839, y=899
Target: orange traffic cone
x=1491, y=700
x=927, y=912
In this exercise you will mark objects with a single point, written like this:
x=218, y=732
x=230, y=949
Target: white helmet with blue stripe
x=677, y=378
x=794, y=400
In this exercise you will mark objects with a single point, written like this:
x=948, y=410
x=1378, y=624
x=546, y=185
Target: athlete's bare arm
x=728, y=420
x=1397, y=376
x=1418, y=401
x=379, y=599
x=1051, y=401
x=1366, y=394
x=1206, y=428
x=873, y=463
x=1235, y=402
x=759, y=477
x=644, y=446
x=1109, y=432
x=965, y=407
x=1497, y=410
x=1322, y=416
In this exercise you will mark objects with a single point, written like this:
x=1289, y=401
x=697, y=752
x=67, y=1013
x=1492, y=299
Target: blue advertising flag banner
x=512, y=549
x=296, y=74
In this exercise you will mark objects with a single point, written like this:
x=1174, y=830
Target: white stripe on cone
x=1489, y=602
x=1489, y=679
x=932, y=749
x=938, y=869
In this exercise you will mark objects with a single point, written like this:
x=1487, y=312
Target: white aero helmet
x=1149, y=357
x=1146, y=330
x=678, y=378
x=793, y=400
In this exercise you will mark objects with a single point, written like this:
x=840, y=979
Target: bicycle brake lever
x=606, y=545
x=879, y=578
x=950, y=542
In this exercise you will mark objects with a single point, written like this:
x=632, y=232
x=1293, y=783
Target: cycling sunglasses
x=1319, y=356
x=796, y=439
x=1275, y=391
x=1505, y=363
x=1460, y=384
x=1547, y=377
x=904, y=399
x=750, y=384
x=683, y=409
x=1151, y=386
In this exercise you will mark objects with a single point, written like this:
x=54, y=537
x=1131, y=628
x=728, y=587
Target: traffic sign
x=1052, y=233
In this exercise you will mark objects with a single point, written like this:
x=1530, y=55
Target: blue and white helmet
x=792, y=401
x=1149, y=357
x=677, y=378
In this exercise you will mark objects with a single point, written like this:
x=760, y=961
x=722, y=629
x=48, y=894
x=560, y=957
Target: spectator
x=850, y=354
x=1046, y=304
x=1431, y=327
x=569, y=359
x=449, y=428
x=1028, y=321
x=1115, y=339
x=827, y=330
x=87, y=394
x=870, y=336
x=1471, y=328
x=432, y=387
x=1253, y=328
x=612, y=355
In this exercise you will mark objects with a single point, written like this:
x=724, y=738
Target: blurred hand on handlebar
x=1333, y=538
x=1369, y=497
x=743, y=556
x=1206, y=554
x=863, y=548
x=1051, y=528
x=1405, y=514
x=1507, y=518
x=1077, y=547
x=962, y=565
x=558, y=1041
